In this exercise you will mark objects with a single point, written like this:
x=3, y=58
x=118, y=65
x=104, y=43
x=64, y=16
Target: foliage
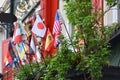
x=54, y=68
x=57, y=66
x=27, y=71
x=89, y=29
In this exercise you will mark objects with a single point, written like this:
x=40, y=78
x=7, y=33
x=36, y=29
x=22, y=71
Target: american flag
x=57, y=24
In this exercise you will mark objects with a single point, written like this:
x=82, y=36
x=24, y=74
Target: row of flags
x=19, y=48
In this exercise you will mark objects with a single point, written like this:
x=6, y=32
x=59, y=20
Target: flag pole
x=66, y=30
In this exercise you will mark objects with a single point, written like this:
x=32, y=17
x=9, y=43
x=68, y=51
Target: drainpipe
x=12, y=6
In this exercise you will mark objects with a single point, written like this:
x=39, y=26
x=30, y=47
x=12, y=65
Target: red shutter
x=98, y=7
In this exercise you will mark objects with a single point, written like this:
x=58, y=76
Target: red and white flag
x=18, y=32
x=57, y=24
x=39, y=27
x=57, y=29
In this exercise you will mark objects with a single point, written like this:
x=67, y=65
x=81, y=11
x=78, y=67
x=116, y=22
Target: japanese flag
x=39, y=27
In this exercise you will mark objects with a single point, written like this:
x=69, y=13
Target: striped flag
x=57, y=30
x=57, y=24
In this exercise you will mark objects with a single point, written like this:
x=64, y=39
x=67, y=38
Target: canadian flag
x=39, y=27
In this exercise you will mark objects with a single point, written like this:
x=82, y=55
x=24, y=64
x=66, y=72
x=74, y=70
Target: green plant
x=27, y=71
x=57, y=66
x=89, y=29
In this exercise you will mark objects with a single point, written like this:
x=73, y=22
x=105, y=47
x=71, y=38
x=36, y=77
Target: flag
x=21, y=53
x=57, y=24
x=27, y=29
x=49, y=41
x=56, y=40
x=39, y=27
x=22, y=50
x=14, y=55
x=37, y=54
x=32, y=44
x=8, y=59
x=11, y=56
x=18, y=31
x=57, y=30
x=17, y=58
x=35, y=48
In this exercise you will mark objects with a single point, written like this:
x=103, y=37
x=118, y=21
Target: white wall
x=111, y=16
x=2, y=37
x=63, y=14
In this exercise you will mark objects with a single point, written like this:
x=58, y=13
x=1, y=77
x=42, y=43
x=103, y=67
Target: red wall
x=98, y=7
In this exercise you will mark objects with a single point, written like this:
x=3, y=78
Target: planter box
x=76, y=75
x=111, y=73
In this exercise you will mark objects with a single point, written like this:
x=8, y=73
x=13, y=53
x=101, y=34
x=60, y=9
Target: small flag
x=11, y=56
x=39, y=27
x=37, y=54
x=57, y=30
x=18, y=32
x=32, y=44
x=22, y=50
x=57, y=24
x=8, y=59
x=49, y=41
x=56, y=41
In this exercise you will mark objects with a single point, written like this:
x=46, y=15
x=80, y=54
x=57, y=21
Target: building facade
x=47, y=9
